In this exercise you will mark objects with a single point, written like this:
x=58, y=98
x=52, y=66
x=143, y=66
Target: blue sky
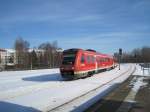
x=103, y=25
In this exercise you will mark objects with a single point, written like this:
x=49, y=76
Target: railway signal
x=120, y=51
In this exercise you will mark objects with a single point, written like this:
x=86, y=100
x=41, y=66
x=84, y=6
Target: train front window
x=69, y=59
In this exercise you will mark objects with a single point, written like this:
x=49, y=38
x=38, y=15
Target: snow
x=10, y=50
x=136, y=83
x=140, y=71
x=85, y=101
x=43, y=90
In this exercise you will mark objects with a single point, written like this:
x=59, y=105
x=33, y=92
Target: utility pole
x=120, y=54
x=135, y=56
x=31, y=61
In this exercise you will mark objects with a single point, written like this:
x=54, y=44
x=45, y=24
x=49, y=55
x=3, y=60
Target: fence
x=145, y=68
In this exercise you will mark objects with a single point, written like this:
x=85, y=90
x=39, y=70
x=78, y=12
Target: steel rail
x=122, y=74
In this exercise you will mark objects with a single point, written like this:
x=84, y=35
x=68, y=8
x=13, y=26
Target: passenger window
x=88, y=59
x=102, y=59
x=107, y=59
x=99, y=60
x=93, y=59
x=82, y=59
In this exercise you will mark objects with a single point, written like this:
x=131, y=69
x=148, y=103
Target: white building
x=2, y=58
x=10, y=59
x=37, y=51
x=8, y=56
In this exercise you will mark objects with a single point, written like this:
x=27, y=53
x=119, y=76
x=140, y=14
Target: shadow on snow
x=44, y=78
x=10, y=107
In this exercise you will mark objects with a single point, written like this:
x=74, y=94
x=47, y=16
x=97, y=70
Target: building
x=10, y=58
x=2, y=59
x=37, y=51
x=7, y=58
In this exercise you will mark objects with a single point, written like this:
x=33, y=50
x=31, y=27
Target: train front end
x=68, y=65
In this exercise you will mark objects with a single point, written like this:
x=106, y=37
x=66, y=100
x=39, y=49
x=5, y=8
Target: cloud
x=105, y=37
x=90, y=23
x=50, y=11
x=86, y=18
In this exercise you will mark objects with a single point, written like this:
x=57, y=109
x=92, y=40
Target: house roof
x=2, y=50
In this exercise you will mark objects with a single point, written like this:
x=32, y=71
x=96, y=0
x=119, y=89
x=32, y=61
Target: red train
x=79, y=63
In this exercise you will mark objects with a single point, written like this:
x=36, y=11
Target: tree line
x=46, y=55
x=137, y=55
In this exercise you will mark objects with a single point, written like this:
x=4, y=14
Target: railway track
x=71, y=105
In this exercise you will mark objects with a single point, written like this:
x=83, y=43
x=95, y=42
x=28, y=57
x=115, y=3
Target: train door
x=82, y=62
x=96, y=64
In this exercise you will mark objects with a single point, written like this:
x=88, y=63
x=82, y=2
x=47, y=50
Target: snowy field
x=43, y=90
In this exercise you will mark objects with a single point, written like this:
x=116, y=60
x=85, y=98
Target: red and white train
x=79, y=63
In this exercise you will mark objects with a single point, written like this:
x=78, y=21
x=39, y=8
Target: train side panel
x=85, y=64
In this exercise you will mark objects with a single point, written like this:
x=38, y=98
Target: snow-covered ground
x=140, y=71
x=136, y=83
x=43, y=90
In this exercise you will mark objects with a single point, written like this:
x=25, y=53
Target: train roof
x=98, y=53
x=72, y=50
x=91, y=50
x=87, y=50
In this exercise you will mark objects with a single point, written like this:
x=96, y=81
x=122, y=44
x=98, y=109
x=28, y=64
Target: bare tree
x=22, y=55
x=33, y=59
x=51, y=56
x=145, y=51
x=140, y=55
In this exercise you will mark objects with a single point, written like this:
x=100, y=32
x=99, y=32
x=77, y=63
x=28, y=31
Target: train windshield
x=68, y=59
